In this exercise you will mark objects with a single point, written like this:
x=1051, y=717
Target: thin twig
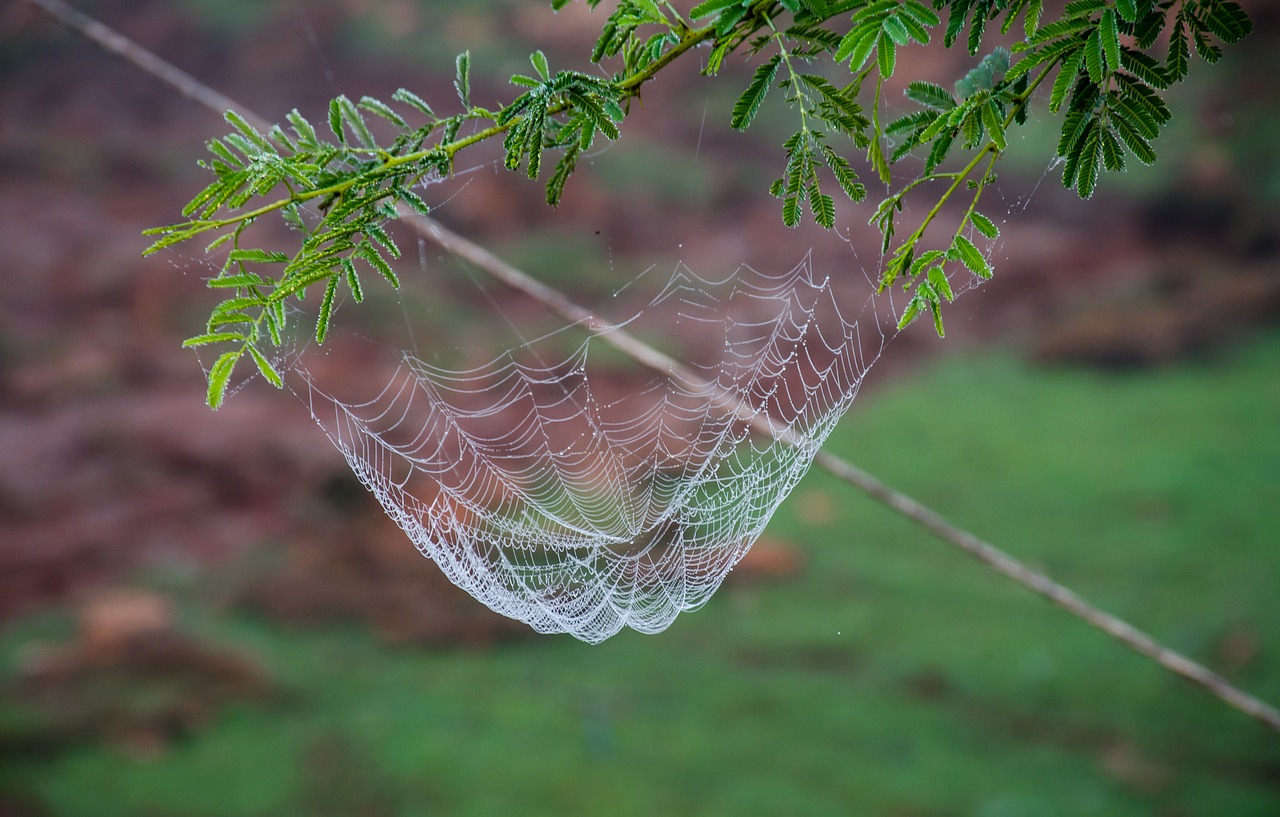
x=629, y=344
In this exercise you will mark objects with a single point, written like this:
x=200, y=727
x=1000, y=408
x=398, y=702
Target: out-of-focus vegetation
x=878, y=674
x=888, y=677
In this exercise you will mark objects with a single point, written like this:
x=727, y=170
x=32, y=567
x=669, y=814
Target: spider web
x=561, y=497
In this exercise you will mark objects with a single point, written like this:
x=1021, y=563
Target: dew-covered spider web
x=577, y=496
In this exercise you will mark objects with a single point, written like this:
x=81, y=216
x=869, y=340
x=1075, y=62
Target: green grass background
x=892, y=677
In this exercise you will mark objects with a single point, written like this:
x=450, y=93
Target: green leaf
x=897, y=32
x=914, y=29
x=925, y=260
x=912, y=311
x=1209, y=52
x=353, y=280
x=1144, y=68
x=931, y=95
x=370, y=256
x=236, y=281
x=236, y=304
x=264, y=366
x=414, y=201
x=218, y=242
x=326, y=309
x=1090, y=163
x=462, y=78
x=972, y=128
x=791, y=211
x=921, y=13
x=995, y=124
x=936, y=309
x=912, y=125
x=748, y=105
x=213, y=337
x=539, y=61
x=305, y=131
x=857, y=45
x=335, y=121
x=217, y=192
x=560, y=176
x=1063, y=27
x=1178, y=60
x=220, y=377
x=246, y=146
x=729, y=18
x=1110, y=36
x=1134, y=140
x=1143, y=98
x=1226, y=20
x=379, y=108
x=1081, y=8
x=217, y=148
x=969, y=255
x=1065, y=80
x=1128, y=10
x=249, y=131
x=875, y=154
x=984, y=225
x=938, y=155
x=1112, y=152
x=414, y=101
x=845, y=175
x=1093, y=58
x=233, y=318
x=534, y=129
x=938, y=280
x=913, y=308
x=1032, y=20
x=378, y=234
x=888, y=54
x=715, y=60
x=710, y=7
x=261, y=256
x=277, y=136
x=955, y=22
x=351, y=116
x=1136, y=115
x=275, y=321
x=824, y=210
x=169, y=235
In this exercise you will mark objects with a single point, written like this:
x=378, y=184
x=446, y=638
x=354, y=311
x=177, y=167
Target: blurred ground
x=111, y=468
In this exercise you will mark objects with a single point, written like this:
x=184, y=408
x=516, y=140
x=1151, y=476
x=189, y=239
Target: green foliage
x=880, y=28
x=1108, y=83
x=590, y=106
x=1105, y=65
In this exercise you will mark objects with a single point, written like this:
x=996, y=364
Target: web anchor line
x=627, y=343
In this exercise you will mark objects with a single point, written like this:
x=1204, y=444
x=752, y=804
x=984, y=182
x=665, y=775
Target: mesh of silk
x=559, y=498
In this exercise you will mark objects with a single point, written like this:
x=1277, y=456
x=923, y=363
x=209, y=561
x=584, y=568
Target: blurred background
x=205, y=614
